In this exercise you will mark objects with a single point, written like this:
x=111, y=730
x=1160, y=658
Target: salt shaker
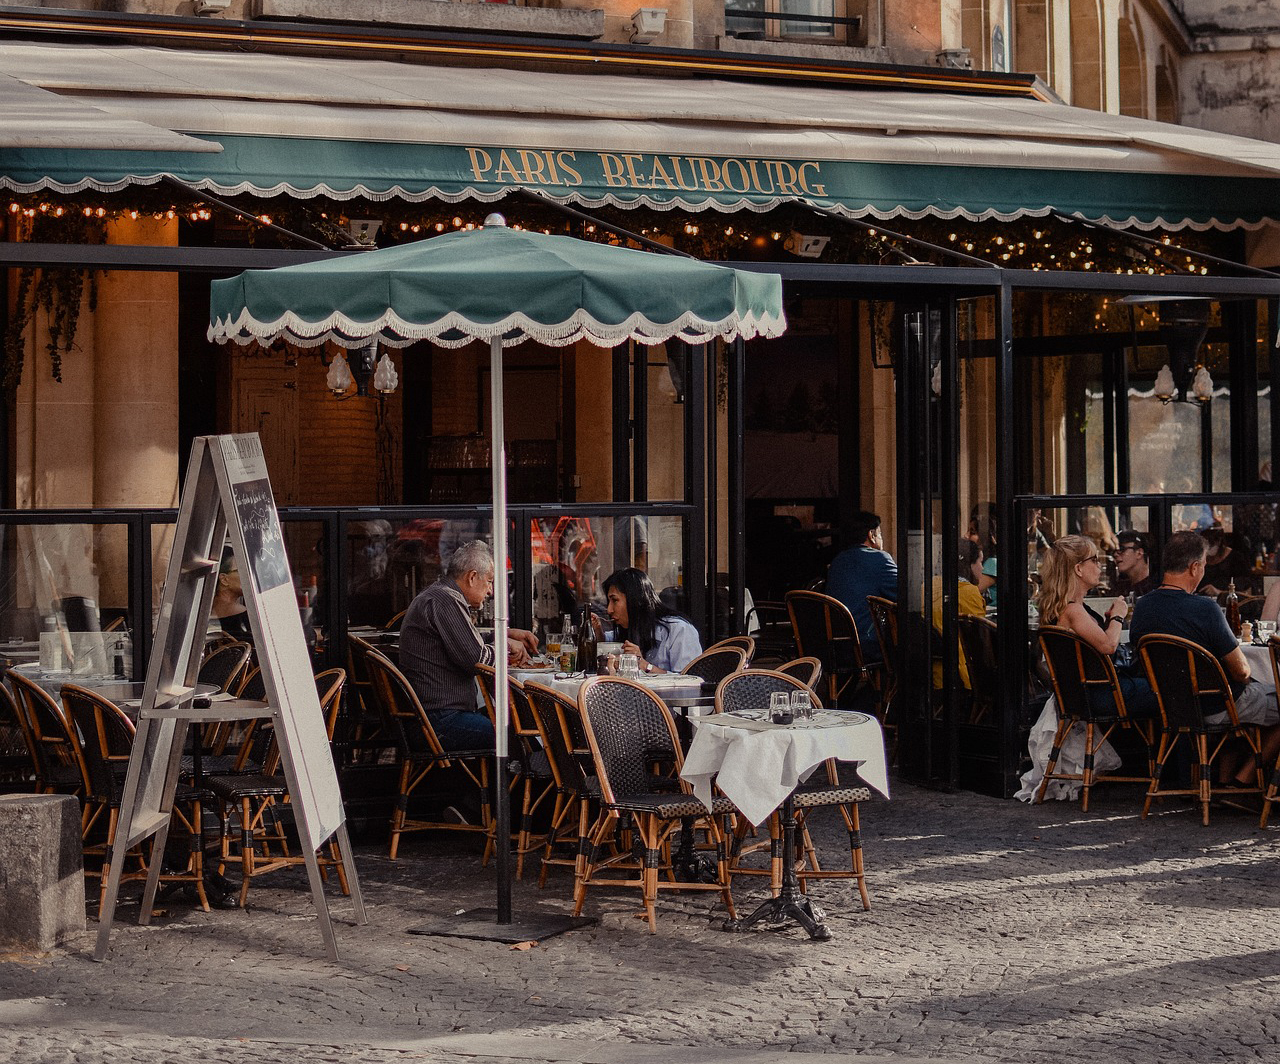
x=1246, y=632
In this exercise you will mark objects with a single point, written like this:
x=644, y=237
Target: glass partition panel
x=574, y=554
x=64, y=596
x=388, y=560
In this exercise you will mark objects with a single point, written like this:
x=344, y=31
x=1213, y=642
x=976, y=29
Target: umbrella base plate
x=482, y=924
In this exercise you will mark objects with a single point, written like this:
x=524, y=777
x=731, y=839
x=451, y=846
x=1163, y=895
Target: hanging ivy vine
x=59, y=294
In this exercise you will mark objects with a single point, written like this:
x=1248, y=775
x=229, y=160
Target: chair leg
x=1167, y=743
x=1272, y=789
x=1205, y=776
x=402, y=806
x=1087, y=771
x=113, y=822
x=1059, y=737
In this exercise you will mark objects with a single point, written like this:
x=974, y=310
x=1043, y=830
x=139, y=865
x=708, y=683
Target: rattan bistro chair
x=576, y=787
x=628, y=729
x=807, y=670
x=824, y=629
x=59, y=762
x=715, y=664
x=107, y=739
x=1189, y=683
x=1273, y=785
x=19, y=770
x=256, y=799
x=978, y=644
x=1087, y=691
x=530, y=770
x=745, y=643
x=420, y=754
x=751, y=690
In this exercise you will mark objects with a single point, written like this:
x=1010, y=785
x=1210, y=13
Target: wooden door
x=265, y=404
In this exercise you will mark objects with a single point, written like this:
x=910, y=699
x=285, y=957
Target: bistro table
x=758, y=766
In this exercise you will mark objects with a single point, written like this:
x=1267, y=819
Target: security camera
x=647, y=24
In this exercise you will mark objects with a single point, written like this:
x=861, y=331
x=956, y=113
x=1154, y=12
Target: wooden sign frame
x=227, y=493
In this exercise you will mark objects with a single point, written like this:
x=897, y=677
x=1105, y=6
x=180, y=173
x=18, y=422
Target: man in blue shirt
x=862, y=570
x=1174, y=608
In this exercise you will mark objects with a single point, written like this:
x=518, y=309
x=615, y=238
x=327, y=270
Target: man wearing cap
x=1133, y=566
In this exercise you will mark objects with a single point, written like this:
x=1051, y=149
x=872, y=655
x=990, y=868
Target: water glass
x=1266, y=630
x=801, y=706
x=629, y=667
x=780, y=707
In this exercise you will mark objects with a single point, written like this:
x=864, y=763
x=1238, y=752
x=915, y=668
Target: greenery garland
x=59, y=293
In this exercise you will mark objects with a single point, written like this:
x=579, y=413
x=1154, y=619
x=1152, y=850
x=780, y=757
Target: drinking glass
x=629, y=667
x=801, y=705
x=553, y=647
x=1265, y=629
x=780, y=707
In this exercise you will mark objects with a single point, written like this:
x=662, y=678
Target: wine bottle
x=1233, y=609
x=587, y=643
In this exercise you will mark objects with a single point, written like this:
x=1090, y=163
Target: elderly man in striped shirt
x=440, y=648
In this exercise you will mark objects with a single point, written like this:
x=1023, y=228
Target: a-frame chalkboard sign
x=227, y=493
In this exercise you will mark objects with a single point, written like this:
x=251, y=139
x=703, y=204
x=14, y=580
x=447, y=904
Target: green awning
x=345, y=169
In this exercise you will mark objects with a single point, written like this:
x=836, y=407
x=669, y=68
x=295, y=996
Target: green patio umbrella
x=504, y=286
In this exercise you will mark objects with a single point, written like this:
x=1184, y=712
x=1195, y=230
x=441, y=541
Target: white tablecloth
x=1259, y=659
x=663, y=683
x=757, y=765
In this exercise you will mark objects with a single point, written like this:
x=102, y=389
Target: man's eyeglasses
x=1129, y=547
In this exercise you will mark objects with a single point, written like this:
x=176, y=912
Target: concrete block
x=41, y=871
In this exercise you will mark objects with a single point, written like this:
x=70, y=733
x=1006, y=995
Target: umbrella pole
x=501, y=619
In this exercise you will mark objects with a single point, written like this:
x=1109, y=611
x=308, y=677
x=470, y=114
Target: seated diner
x=1069, y=570
x=662, y=639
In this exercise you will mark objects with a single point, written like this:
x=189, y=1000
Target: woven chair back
x=560, y=727
x=714, y=665
x=53, y=742
x=329, y=686
x=519, y=716
x=407, y=721
x=15, y=739
x=745, y=643
x=824, y=629
x=1083, y=680
x=751, y=690
x=884, y=616
x=807, y=670
x=978, y=641
x=1188, y=681
x=628, y=729
x=253, y=687
x=106, y=740
x=223, y=665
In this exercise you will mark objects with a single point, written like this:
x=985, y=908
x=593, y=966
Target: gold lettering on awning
x=639, y=171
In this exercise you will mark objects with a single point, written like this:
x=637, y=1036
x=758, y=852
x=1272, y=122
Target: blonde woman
x=1069, y=570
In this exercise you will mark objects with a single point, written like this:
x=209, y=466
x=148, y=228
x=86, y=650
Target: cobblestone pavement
x=999, y=932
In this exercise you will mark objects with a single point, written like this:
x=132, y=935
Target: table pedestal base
x=790, y=904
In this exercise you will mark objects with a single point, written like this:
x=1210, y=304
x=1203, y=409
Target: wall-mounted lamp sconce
x=647, y=24
x=339, y=378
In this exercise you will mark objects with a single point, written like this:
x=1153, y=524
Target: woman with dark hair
x=662, y=639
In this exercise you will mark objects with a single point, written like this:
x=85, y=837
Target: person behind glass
x=440, y=648
x=228, y=600
x=864, y=569
x=662, y=639
x=983, y=522
x=1069, y=570
x=1223, y=564
x=1133, y=566
x=969, y=602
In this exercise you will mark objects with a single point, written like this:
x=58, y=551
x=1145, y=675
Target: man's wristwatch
x=648, y=666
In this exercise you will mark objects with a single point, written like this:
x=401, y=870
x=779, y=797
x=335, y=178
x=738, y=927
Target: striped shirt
x=440, y=648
